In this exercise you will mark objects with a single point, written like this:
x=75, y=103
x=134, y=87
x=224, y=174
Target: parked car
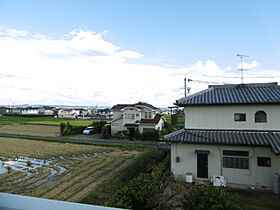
x=88, y=130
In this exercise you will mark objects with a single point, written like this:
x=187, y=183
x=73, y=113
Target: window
x=264, y=161
x=137, y=115
x=146, y=115
x=132, y=116
x=235, y=159
x=239, y=117
x=150, y=115
x=260, y=117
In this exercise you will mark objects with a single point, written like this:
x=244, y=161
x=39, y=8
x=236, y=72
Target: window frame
x=242, y=117
x=259, y=118
x=236, y=159
x=260, y=161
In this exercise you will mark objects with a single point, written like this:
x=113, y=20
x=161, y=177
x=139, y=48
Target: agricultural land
x=60, y=171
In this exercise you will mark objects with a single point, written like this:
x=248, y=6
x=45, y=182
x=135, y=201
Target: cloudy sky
x=108, y=52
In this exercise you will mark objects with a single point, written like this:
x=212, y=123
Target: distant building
x=140, y=116
x=46, y=110
x=67, y=113
x=104, y=113
x=30, y=110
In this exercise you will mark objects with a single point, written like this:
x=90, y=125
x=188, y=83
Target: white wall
x=116, y=126
x=222, y=117
x=255, y=175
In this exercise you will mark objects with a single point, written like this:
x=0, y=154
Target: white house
x=231, y=131
x=141, y=116
x=30, y=110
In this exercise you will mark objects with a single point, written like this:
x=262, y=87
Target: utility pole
x=241, y=69
x=185, y=86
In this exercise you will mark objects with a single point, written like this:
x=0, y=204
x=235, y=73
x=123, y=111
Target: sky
x=92, y=52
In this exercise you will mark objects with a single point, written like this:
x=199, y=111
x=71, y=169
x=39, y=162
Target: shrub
x=149, y=135
x=105, y=132
x=9, y=169
x=62, y=128
x=147, y=191
x=142, y=164
x=122, y=134
x=210, y=197
x=68, y=129
x=98, y=125
x=28, y=163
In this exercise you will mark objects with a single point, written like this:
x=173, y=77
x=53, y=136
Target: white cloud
x=248, y=66
x=82, y=68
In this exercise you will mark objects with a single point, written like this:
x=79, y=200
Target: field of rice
x=57, y=171
x=34, y=130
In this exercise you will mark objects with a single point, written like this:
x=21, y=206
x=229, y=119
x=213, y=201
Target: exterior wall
x=254, y=176
x=146, y=126
x=160, y=124
x=130, y=112
x=30, y=111
x=116, y=114
x=67, y=114
x=144, y=109
x=222, y=117
x=116, y=126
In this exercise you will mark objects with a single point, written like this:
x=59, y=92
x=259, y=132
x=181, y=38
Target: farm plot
x=35, y=130
x=68, y=175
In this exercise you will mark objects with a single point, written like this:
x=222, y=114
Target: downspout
x=221, y=159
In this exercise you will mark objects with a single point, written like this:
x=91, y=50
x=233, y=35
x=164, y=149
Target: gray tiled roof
x=255, y=93
x=231, y=137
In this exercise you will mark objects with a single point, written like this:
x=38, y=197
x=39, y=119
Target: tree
x=210, y=197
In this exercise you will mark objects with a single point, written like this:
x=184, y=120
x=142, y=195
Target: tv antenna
x=186, y=88
x=241, y=69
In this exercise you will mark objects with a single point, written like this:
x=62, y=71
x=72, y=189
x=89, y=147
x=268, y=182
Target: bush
x=122, y=134
x=98, y=125
x=105, y=132
x=147, y=191
x=148, y=135
x=68, y=129
x=210, y=197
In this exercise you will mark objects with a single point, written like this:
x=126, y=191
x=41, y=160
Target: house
x=231, y=131
x=30, y=110
x=140, y=116
x=82, y=111
x=67, y=113
x=46, y=110
x=105, y=113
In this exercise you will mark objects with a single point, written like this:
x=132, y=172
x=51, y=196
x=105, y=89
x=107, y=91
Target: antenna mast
x=241, y=69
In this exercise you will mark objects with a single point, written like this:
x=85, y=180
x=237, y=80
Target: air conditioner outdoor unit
x=218, y=181
x=189, y=178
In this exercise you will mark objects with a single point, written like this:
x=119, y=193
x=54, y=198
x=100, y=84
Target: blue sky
x=178, y=36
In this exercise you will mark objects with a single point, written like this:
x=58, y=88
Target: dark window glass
x=239, y=117
x=235, y=153
x=236, y=162
x=264, y=161
x=260, y=117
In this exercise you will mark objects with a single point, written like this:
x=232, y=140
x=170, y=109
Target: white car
x=88, y=130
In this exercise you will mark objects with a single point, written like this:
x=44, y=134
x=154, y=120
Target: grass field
x=84, y=167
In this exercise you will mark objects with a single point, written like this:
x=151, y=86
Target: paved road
x=163, y=146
